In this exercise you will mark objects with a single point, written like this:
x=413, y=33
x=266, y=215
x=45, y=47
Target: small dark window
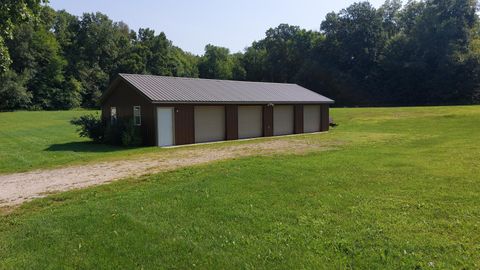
x=137, y=116
x=113, y=115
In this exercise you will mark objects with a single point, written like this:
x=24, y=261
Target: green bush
x=131, y=135
x=90, y=126
x=119, y=133
x=113, y=133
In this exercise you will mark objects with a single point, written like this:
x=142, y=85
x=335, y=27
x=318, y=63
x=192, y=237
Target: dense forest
x=415, y=53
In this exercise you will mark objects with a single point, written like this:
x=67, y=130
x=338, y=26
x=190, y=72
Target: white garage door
x=282, y=120
x=209, y=123
x=311, y=118
x=250, y=122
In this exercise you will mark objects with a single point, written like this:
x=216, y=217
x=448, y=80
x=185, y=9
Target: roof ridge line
x=206, y=79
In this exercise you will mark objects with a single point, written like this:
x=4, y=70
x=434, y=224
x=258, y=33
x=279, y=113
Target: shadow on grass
x=84, y=147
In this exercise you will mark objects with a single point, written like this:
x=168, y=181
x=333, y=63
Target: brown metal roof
x=161, y=89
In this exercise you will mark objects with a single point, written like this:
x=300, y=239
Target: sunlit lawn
x=401, y=189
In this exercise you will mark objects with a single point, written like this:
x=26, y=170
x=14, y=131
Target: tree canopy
x=418, y=53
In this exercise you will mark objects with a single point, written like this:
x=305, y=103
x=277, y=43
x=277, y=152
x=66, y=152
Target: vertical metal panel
x=105, y=114
x=298, y=119
x=184, y=125
x=250, y=123
x=267, y=121
x=325, y=118
x=231, y=122
x=283, y=120
x=311, y=118
x=209, y=123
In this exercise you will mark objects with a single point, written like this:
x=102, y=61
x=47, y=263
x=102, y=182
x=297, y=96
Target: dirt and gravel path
x=20, y=187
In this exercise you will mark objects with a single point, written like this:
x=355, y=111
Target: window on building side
x=113, y=115
x=137, y=116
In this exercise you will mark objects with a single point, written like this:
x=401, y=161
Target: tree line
x=417, y=53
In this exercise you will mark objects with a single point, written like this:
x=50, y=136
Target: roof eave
x=242, y=102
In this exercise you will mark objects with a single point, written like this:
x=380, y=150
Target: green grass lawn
x=400, y=190
x=32, y=140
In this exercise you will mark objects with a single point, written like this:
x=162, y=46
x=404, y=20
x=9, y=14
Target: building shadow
x=83, y=147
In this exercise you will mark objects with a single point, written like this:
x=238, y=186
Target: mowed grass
x=33, y=140
x=401, y=190
x=46, y=139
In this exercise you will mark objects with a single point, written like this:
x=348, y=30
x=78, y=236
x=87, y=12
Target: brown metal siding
x=267, y=121
x=231, y=122
x=184, y=124
x=324, y=117
x=105, y=113
x=124, y=98
x=298, y=119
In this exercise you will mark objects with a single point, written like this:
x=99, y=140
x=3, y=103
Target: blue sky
x=193, y=24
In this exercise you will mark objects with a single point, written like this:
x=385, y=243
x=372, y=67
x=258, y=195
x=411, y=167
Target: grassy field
x=32, y=140
x=401, y=189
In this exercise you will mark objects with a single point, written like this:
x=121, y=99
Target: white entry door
x=165, y=126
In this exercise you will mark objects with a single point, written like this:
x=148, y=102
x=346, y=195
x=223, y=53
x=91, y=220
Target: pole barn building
x=177, y=111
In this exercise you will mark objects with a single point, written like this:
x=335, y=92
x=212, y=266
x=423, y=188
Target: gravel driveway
x=20, y=187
